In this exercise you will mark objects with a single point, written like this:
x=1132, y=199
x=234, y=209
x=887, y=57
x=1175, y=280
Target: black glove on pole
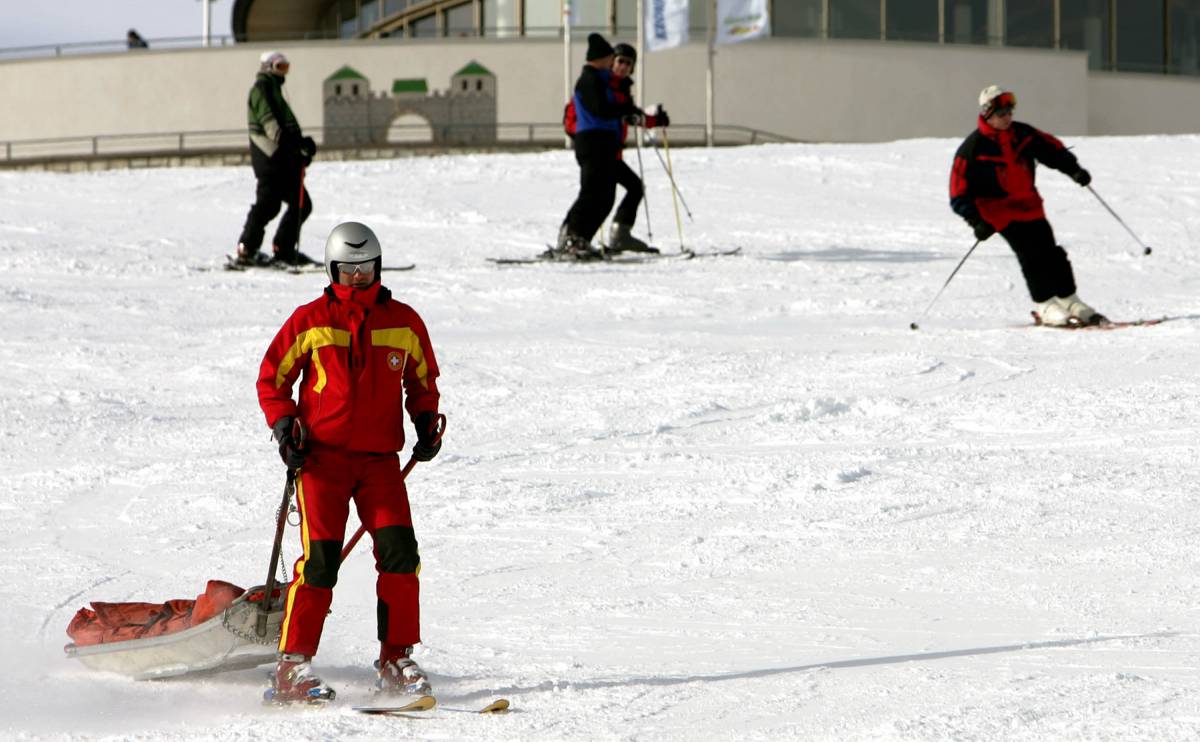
x=429, y=436
x=289, y=434
x=983, y=230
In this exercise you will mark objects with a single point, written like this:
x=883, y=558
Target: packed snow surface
x=730, y=498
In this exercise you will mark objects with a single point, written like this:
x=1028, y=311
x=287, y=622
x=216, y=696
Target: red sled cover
x=115, y=622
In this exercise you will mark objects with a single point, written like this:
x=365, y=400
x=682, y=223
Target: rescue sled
x=218, y=632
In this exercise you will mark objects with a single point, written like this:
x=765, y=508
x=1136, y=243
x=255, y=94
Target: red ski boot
x=295, y=682
x=399, y=675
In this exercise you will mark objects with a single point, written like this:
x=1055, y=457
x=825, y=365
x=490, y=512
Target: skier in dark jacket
x=992, y=188
x=279, y=153
x=597, y=143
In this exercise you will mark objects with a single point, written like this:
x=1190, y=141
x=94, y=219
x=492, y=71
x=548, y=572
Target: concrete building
x=833, y=70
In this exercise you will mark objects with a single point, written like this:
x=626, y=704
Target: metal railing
x=400, y=137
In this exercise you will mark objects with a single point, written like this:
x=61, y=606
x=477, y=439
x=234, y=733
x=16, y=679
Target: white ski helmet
x=351, y=242
x=992, y=97
x=274, y=62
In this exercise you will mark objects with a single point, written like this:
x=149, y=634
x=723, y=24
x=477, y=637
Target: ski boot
x=402, y=676
x=573, y=247
x=294, y=682
x=291, y=258
x=1067, y=311
x=621, y=240
x=250, y=258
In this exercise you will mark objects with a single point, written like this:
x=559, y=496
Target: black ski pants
x=627, y=210
x=1043, y=262
x=596, y=153
x=277, y=186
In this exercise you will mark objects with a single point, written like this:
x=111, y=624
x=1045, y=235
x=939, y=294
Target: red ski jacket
x=364, y=356
x=994, y=172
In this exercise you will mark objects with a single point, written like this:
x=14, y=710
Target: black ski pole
x=914, y=325
x=642, y=175
x=1146, y=250
x=264, y=608
x=671, y=176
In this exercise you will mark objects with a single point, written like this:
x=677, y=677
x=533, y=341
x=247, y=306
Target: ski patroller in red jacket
x=365, y=358
x=994, y=173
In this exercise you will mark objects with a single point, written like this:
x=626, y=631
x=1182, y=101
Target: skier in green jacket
x=279, y=152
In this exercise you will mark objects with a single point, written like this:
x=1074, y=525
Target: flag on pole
x=742, y=20
x=666, y=24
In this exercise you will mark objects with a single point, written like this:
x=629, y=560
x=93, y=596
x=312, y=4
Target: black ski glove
x=307, y=149
x=982, y=229
x=1082, y=177
x=635, y=119
x=659, y=119
x=289, y=433
x=429, y=438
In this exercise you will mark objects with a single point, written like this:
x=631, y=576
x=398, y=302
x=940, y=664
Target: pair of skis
x=416, y=707
x=231, y=264
x=629, y=258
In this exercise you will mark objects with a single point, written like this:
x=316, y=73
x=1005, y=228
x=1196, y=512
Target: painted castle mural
x=463, y=114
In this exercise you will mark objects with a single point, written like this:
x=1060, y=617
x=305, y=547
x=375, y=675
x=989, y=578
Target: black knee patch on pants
x=396, y=549
x=321, y=566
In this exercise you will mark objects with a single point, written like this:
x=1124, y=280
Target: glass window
x=966, y=21
x=627, y=20
x=914, y=20
x=1139, y=36
x=1184, y=50
x=394, y=6
x=798, y=18
x=370, y=13
x=348, y=25
x=1085, y=26
x=459, y=20
x=1029, y=23
x=698, y=20
x=854, y=19
x=500, y=18
x=543, y=17
x=588, y=16
x=423, y=27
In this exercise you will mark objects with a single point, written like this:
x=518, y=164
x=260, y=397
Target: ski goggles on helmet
x=351, y=268
x=1002, y=104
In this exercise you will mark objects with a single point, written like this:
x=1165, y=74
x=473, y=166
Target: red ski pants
x=326, y=484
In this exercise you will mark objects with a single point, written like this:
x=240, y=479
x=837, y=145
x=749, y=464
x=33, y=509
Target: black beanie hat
x=598, y=48
x=625, y=50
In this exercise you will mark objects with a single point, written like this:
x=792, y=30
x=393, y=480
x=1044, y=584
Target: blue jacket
x=596, y=105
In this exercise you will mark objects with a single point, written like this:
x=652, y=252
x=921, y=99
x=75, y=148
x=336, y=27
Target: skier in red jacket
x=992, y=188
x=362, y=359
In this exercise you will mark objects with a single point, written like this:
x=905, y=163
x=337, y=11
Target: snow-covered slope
x=714, y=499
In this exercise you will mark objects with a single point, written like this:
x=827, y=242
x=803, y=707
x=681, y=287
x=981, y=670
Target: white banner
x=741, y=20
x=666, y=24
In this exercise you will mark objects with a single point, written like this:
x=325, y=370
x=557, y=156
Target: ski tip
x=422, y=703
x=499, y=706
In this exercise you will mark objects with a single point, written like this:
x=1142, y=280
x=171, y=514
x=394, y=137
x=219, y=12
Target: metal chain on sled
x=252, y=635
